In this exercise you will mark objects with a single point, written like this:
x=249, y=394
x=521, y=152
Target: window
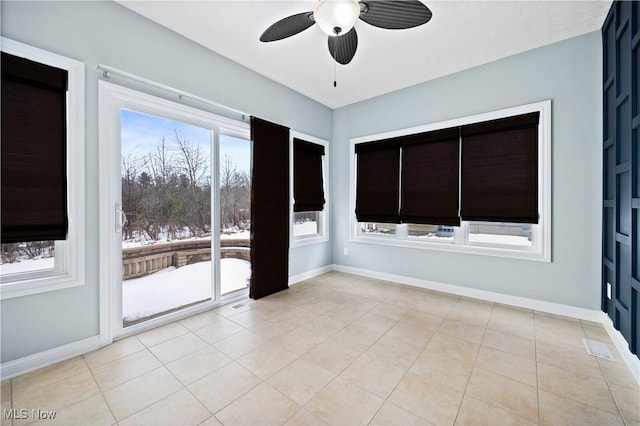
x=378, y=177
x=306, y=223
x=309, y=190
x=431, y=232
x=51, y=255
x=368, y=228
x=515, y=234
x=508, y=215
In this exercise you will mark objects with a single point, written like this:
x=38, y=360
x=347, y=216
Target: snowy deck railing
x=140, y=261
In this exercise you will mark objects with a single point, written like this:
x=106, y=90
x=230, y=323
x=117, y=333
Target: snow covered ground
x=171, y=287
x=26, y=265
x=514, y=240
x=244, y=235
x=305, y=228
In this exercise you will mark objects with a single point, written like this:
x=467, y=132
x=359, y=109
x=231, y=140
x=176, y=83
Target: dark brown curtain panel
x=378, y=181
x=269, y=209
x=500, y=170
x=34, y=151
x=308, y=187
x=429, y=193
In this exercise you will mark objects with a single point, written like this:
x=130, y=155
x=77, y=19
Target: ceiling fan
x=337, y=18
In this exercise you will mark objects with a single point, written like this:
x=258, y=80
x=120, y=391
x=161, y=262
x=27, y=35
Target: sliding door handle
x=121, y=218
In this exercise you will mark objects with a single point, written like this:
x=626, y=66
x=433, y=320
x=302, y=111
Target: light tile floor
x=341, y=349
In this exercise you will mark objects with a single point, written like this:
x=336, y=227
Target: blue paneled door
x=621, y=181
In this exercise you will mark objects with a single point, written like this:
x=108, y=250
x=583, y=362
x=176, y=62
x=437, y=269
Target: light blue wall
x=568, y=73
x=107, y=33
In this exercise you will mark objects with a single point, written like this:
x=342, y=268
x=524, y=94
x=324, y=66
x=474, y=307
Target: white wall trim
x=633, y=363
x=621, y=344
x=42, y=359
x=541, y=248
x=38, y=360
x=521, y=302
x=111, y=99
x=323, y=233
x=295, y=279
x=69, y=269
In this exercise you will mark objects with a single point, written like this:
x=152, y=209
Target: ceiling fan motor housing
x=336, y=16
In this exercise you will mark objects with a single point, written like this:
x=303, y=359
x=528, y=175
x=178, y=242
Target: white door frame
x=111, y=99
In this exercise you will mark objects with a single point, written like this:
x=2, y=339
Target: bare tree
x=168, y=190
x=130, y=191
x=195, y=165
x=234, y=194
x=159, y=163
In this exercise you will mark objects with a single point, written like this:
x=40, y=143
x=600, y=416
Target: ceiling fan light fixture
x=336, y=17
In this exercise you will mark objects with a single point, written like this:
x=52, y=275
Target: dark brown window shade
x=430, y=178
x=378, y=180
x=269, y=208
x=308, y=188
x=500, y=170
x=34, y=151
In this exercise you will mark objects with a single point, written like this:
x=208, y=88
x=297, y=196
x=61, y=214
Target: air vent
x=238, y=306
x=599, y=349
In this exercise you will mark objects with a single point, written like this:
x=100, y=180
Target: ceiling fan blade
x=395, y=14
x=291, y=25
x=343, y=47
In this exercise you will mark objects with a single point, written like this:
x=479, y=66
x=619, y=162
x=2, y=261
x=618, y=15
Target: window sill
x=450, y=247
x=38, y=284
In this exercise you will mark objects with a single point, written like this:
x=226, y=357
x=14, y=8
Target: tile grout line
x=162, y=365
x=100, y=390
x=262, y=381
x=349, y=364
x=606, y=380
x=473, y=366
x=404, y=375
x=588, y=376
x=179, y=381
x=316, y=316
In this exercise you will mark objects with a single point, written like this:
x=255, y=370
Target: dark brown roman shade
x=269, y=209
x=308, y=188
x=378, y=180
x=500, y=170
x=430, y=178
x=34, y=151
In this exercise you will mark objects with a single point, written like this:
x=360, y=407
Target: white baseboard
x=42, y=359
x=630, y=359
x=621, y=344
x=51, y=356
x=521, y=302
x=295, y=279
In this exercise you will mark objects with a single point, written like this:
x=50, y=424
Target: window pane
x=500, y=233
x=33, y=256
x=431, y=232
x=166, y=196
x=377, y=228
x=235, y=213
x=306, y=223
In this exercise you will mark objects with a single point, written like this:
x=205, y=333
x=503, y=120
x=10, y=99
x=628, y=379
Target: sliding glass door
x=178, y=234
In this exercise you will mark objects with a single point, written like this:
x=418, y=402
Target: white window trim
x=111, y=99
x=541, y=247
x=69, y=269
x=323, y=235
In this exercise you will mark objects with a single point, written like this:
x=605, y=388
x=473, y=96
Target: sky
x=142, y=133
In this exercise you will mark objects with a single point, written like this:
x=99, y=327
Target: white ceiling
x=461, y=35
